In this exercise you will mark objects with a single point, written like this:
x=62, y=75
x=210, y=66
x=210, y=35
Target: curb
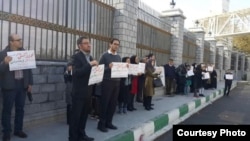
x=157, y=126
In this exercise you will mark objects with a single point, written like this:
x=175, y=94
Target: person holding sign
x=134, y=84
x=82, y=63
x=110, y=87
x=228, y=77
x=188, y=81
x=150, y=74
x=14, y=86
x=141, y=81
x=125, y=85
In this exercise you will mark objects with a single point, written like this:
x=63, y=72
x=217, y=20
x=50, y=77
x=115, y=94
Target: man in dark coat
x=228, y=77
x=14, y=86
x=170, y=76
x=82, y=63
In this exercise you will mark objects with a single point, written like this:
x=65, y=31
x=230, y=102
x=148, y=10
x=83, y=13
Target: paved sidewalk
x=136, y=125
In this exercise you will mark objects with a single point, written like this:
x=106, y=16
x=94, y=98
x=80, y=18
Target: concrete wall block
x=36, y=70
x=31, y=109
x=125, y=13
x=55, y=96
x=48, y=87
x=35, y=89
x=48, y=106
x=59, y=70
x=40, y=98
x=40, y=79
x=55, y=78
x=60, y=104
x=119, y=6
x=60, y=87
x=48, y=70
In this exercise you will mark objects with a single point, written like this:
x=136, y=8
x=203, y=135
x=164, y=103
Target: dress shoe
x=87, y=138
x=134, y=109
x=111, y=126
x=20, y=134
x=103, y=129
x=6, y=137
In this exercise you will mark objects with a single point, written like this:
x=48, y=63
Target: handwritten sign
x=190, y=73
x=206, y=75
x=133, y=69
x=210, y=68
x=22, y=60
x=119, y=70
x=96, y=74
x=229, y=76
x=142, y=67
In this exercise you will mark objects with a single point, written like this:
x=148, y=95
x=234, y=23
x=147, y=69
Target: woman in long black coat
x=214, y=79
x=197, y=80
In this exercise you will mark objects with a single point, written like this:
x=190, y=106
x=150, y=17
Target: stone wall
x=48, y=94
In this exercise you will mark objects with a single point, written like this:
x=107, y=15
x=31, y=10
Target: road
x=228, y=110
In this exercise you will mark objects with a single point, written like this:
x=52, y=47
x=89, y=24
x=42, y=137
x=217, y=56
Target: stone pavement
x=133, y=126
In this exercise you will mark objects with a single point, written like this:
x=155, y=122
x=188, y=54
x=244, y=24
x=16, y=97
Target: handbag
x=157, y=82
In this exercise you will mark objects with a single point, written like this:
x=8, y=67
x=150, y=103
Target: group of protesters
x=188, y=78
x=101, y=100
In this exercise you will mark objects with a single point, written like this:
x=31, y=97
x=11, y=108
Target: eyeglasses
x=116, y=44
x=86, y=43
x=17, y=40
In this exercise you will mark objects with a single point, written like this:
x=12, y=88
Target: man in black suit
x=14, y=85
x=82, y=63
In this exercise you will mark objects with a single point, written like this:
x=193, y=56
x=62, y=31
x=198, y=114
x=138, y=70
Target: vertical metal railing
x=51, y=27
x=189, y=48
x=154, y=40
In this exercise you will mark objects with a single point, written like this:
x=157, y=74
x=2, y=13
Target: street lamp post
x=172, y=3
x=197, y=23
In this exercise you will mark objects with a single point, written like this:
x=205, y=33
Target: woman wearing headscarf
x=124, y=91
x=134, y=85
x=150, y=74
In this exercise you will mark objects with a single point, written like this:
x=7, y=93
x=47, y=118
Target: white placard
x=210, y=68
x=96, y=74
x=206, y=75
x=119, y=70
x=133, y=69
x=162, y=75
x=190, y=73
x=142, y=67
x=229, y=76
x=22, y=60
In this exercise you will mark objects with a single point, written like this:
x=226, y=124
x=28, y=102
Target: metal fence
x=151, y=39
x=51, y=27
x=189, y=49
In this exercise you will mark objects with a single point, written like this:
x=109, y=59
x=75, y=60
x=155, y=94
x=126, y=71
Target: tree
x=242, y=43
